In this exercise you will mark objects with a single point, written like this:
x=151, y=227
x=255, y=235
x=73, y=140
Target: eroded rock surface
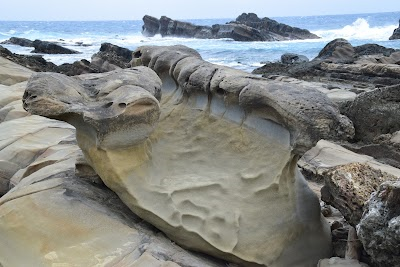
x=349, y=187
x=376, y=113
x=378, y=229
x=198, y=157
x=57, y=211
x=339, y=63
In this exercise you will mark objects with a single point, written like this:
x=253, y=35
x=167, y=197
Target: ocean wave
x=358, y=30
x=9, y=33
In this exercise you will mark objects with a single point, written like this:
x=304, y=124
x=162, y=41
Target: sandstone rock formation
x=247, y=27
x=396, y=33
x=51, y=48
x=197, y=158
x=51, y=216
x=378, y=229
x=12, y=73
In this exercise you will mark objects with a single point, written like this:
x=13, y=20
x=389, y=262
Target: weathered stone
x=274, y=30
x=327, y=155
x=78, y=67
x=359, y=68
x=51, y=217
x=348, y=188
x=189, y=161
x=18, y=41
x=244, y=28
x=307, y=113
x=338, y=51
x=290, y=58
x=396, y=33
x=111, y=57
x=12, y=73
x=379, y=227
x=26, y=138
x=151, y=26
x=51, y=48
x=376, y=112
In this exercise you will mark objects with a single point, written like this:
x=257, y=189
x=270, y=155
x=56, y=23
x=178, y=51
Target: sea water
x=87, y=36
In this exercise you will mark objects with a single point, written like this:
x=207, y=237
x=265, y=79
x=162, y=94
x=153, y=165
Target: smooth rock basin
x=214, y=169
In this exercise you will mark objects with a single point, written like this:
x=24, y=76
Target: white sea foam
x=358, y=30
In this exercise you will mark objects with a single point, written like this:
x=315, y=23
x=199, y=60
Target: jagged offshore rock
x=210, y=159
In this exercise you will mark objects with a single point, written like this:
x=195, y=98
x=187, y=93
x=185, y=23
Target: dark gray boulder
x=34, y=62
x=338, y=51
x=274, y=30
x=45, y=47
x=375, y=113
x=151, y=26
x=379, y=227
x=111, y=57
x=290, y=58
x=19, y=41
x=396, y=33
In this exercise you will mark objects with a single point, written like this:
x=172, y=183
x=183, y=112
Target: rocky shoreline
x=337, y=113
x=246, y=27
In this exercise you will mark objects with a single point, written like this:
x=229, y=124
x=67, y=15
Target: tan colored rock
x=326, y=155
x=213, y=178
x=12, y=73
x=349, y=187
x=54, y=218
x=23, y=140
x=11, y=93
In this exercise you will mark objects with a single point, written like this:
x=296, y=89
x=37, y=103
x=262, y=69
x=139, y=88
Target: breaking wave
x=358, y=30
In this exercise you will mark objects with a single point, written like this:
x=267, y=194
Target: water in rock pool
x=87, y=36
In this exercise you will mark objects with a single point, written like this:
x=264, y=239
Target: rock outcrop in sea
x=396, y=33
x=247, y=27
x=110, y=57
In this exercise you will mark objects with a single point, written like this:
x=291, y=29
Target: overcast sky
x=184, y=9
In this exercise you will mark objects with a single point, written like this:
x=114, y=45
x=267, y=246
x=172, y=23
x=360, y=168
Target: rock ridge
x=247, y=27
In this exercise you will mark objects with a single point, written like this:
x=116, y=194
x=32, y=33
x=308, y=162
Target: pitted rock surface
x=197, y=152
